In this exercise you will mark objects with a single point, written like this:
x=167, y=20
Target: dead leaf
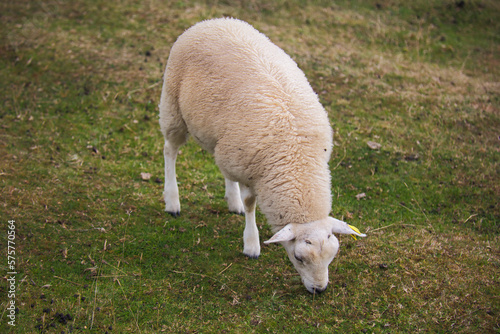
x=92, y=270
x=145, y=176
x=360, y=196
x=373, y=145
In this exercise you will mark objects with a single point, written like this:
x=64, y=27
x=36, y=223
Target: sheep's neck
x=297, y=197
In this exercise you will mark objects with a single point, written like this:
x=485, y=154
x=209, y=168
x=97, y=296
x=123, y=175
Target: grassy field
x=95, y=252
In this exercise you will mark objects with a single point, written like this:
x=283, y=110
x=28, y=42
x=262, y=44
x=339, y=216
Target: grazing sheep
x=245, y=101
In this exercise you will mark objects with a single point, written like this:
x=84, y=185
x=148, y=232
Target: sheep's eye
x=329, y=236
x=308, y=242
x=298, y=258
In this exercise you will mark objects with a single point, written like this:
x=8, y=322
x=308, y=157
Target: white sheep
x=244, y=100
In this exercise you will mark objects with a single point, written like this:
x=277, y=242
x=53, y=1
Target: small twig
x=384, y=227
x=407, y=208
x=465, y=60
x=186, y=273
x=471, y=216
x=93, y=308
x=128, y=128
x=128, y=305
x=115, y=276
x=141, y=89
x=381, y=228
x=100, y=229
x=96, y=280
x=226, y=268
x=124, y=273
x=67, y=280
x=345, y=152
x=204, y=276
x=426, y=218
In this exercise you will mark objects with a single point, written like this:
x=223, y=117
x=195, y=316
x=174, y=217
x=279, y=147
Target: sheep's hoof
x=254, y=257
x=174, y=214
x=241, y=213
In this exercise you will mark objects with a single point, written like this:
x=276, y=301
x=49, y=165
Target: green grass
x=95, y=252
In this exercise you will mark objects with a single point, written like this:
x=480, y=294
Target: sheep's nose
x=317, y=290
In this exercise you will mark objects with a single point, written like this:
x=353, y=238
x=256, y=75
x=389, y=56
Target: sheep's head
x=311, y=247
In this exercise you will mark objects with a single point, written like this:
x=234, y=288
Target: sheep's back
x=245, y=100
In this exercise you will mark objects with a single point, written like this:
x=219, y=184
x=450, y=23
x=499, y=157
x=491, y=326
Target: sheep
x=244, y=100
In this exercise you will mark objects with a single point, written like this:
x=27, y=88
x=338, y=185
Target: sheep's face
x=311, y=253
x=311, y=247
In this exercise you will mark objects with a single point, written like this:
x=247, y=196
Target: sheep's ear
x=341, y=227
x=285, y=234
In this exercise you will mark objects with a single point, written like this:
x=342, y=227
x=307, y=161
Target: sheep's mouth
x=316, y=291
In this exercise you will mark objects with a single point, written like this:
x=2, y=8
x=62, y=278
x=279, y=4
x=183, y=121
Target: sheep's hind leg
x=171, y=191
x=251, y=243
x=233, y=197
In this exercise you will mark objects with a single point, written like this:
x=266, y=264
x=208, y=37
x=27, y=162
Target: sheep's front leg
x=233, y=197
x=171, y=191
x=251, y=243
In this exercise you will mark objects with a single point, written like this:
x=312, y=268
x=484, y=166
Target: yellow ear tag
x=355, y=229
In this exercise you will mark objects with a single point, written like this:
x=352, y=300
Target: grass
x=96, y=253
